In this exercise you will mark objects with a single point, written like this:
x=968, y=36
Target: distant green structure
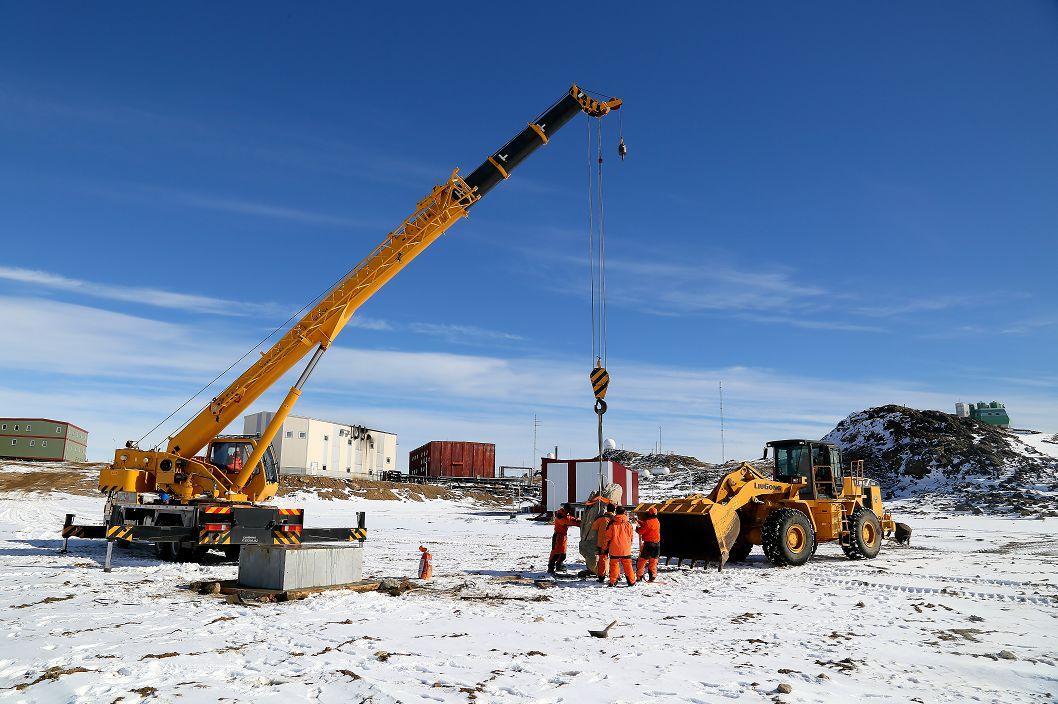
x=42, y=439
x=994, y=413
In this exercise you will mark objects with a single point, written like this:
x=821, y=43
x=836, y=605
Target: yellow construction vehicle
x=809, y=499
x=204, y=490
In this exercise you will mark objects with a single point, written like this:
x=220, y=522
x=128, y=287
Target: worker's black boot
x=551, y=565
x=653, y=576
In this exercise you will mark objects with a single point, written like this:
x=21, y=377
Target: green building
x=994, y=413
x=42, y=439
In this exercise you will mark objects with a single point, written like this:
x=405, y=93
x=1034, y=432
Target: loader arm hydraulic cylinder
x=437, y=212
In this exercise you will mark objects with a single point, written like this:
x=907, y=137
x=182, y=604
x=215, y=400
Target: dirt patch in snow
x=336, y=489
x=67, y=477
x=81, y=479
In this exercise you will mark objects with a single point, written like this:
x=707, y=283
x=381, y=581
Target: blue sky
x=828, y=207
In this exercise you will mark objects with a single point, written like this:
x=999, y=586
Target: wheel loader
x=809, y=499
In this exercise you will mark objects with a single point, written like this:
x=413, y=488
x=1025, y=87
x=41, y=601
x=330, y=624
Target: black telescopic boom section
x=514, y=152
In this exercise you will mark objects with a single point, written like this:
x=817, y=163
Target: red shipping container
x=453, y=458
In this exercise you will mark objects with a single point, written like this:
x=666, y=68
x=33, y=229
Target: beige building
x=324, y=448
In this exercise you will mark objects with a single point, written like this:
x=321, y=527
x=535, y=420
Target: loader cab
x=230, y=453
x=816, y=464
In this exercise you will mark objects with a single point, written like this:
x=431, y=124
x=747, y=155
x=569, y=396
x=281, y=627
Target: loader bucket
x=696, y=529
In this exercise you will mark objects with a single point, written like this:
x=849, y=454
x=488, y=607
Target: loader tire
x=788, y=537
x=740, y=551
x=865, y=535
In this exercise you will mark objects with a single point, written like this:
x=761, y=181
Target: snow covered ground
x=968, y=613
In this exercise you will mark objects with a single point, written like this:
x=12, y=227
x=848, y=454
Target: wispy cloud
x=232, y=204
x=709, y=286
x=463, y=333
x=159, y=298
x=120, y=374
x=1029, y=325
x=810, y=324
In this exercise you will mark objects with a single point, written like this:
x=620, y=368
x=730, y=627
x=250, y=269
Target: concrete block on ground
x=286, y=567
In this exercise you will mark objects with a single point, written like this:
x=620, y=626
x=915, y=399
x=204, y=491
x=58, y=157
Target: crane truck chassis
x=187, y=503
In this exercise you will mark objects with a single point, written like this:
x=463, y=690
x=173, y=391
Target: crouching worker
x=650, y=533
x=564, y=520
x=600, y=526
x=619, y=547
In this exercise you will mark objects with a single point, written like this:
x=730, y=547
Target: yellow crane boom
x=177, y=472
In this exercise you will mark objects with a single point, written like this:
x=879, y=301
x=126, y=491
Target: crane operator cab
x=230, y=453
x=816, y=465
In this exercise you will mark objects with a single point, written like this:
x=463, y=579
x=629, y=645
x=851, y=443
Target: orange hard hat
x=652, y=511
x=422, y=548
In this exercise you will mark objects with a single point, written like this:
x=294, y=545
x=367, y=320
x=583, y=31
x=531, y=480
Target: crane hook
x=622, y=149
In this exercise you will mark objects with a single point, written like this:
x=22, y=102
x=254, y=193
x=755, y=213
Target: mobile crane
x=186, y=502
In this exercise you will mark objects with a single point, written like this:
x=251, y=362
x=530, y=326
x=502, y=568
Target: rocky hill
x=963, y=463
x=952, y=463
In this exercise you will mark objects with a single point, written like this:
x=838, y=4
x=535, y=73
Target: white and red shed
x=571, y=481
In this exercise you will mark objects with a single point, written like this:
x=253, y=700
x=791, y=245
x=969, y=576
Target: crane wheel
x=174, y=552
x=788, y=537
x=865, y=535
x=740, y=551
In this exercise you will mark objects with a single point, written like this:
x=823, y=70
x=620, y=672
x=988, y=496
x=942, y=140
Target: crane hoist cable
x=599, y=377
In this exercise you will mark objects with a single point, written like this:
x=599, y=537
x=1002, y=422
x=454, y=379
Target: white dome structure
x=609, y=444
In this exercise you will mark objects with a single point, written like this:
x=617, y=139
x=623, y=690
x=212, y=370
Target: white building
x=324, y=448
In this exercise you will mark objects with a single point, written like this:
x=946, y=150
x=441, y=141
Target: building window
x=387, y=460
x=29, y=428
x=43, y=443
x=14, y=442
x=348, y=470
x=301, y=435
x=326, y=438
x=324, y=468
x=349, y=441
x=16, y=426
x=32, y=443
x=290, y=433
x=58, y=429
x=4, y=427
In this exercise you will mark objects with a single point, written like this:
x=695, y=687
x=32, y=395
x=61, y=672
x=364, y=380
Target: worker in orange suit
x=564, y=520
x=600, y=526
x=425, y=564
x=650, y=533
x=619, y=547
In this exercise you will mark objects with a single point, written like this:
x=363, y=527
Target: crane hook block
x=600, y=408
x=600, y=379
x=622, y=149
